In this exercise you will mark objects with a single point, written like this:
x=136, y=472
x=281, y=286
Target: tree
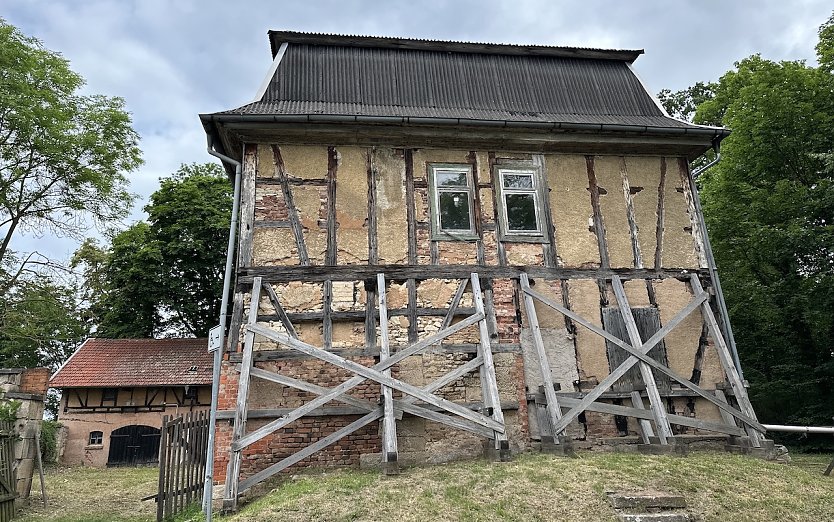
x=769, y=206
x=683, y=104
x=39, y=325
x=63, y=156
x=164, y=277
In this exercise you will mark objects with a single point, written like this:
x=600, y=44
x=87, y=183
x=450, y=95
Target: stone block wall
x=28, y=386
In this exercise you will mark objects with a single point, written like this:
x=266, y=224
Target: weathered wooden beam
x=664, y=430
x=292, y=211
x=646, y=431
x=389, y=426
x=317, y=273
x=247, y=206
x=242, y=402
x=754, y=430
x=374, y=373
x=638, y=413
x=599, y=224
x=554, y=412
x=311, y=449
x=279, y=310
x=489, y=381
x=286, y=353
x=453, y=306
x=359, y=315
x=347, y=385
x=233, y=337
x=640, y=355
x=661, y=195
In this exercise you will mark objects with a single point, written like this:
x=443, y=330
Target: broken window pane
x=454, y=210
x=523, y=181
x=521, y=212
x=447, y=178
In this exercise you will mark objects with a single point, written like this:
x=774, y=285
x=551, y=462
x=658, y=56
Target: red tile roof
x=114, y=363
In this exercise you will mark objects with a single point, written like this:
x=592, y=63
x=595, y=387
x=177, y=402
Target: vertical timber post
x=233, y=475
x=390, y=464
x=489, y=383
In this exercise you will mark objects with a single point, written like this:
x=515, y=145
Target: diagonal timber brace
x=638, y=355
x=490, y=426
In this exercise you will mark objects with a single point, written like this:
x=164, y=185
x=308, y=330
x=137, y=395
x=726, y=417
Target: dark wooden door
x=133, y=446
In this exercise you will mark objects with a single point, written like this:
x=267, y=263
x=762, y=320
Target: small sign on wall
x=214, y=338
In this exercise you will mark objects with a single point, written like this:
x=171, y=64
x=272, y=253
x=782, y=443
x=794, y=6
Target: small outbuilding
x=115, y=392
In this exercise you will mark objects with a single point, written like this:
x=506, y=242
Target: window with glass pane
x=452, y=199
x=520, y=194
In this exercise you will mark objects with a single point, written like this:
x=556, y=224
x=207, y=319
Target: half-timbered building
x=448, y=248
x=115, y=392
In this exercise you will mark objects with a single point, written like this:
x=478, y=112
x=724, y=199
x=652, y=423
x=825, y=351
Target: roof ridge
x=277, y=37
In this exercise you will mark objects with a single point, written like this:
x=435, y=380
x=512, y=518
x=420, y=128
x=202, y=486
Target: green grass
x=533, y=487
x=536, y=487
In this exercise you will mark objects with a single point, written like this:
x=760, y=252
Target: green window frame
x=520, y=199
x=452, y=202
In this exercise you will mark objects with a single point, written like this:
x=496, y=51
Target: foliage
x=9, y=409
x=769, y=206
x=63, y=155
x=683, y=104
x=163, y=277
x=49, y=441
x=39, y=324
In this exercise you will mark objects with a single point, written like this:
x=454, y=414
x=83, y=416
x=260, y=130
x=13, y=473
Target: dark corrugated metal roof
x=373, y=81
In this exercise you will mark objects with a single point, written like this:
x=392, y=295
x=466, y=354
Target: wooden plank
x=640, y=355
x=489, y=382
x=332, y=168
x=664, y=430
x=356, y=315
x=39, y=463
x=661, y=194
x=311, y=449
x=373, y=247
x=347, y=385
x=389, y=426
x=292, y=211
x=549, y=247
x=453, y=306
x=599, y=224
x=755, y=430
x=327, y=312
x=411, y=219
x=374, y=373
x=319, y=273
x=242, y=403
x=247, y=206
x=279, y=310
x=646, y=430
x=638, y=413
x=554, y=412
x=728, y=419
x=472, y=157
x=163, y=452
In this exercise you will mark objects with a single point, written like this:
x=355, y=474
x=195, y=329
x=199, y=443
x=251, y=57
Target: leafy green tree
x=769, y=206
x=683, y=104
x=63, y=155
x=164, y=277
x=39, y=325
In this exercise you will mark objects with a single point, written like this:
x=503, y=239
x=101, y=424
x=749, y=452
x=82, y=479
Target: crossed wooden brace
x=638, y=354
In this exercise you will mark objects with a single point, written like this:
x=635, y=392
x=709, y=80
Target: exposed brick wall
x=35, y=380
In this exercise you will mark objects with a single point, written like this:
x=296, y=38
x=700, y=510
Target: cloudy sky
x=171, y=60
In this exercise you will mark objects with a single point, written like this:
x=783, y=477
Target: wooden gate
x=133, y=445
x=8, y=492
x=182, y=463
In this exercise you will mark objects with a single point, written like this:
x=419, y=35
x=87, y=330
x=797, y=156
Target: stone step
x=646, y=500
x=655, y=517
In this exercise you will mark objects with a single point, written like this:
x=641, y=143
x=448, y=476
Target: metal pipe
x=799, y=429
x=713, y=269
x=218, y=354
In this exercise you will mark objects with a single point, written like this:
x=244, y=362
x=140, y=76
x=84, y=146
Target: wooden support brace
x=640, y=355
x=489, y=382
x=554, y=412
x=389, y=426
x=646, y=431
x=339, y=361
x=233, y=476
x=279, y=310
x=664, y=430
x=754, y=430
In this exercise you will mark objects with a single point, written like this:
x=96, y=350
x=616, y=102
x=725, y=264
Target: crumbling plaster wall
x=646, y=215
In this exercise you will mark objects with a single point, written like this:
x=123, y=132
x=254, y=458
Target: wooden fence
x=8, y=491
x=182, y=463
